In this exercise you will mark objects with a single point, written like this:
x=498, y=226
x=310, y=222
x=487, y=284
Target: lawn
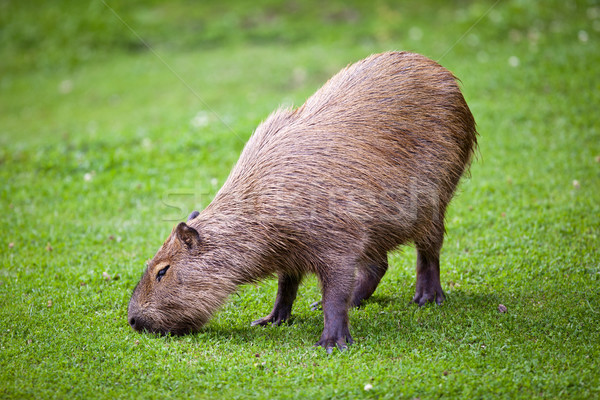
x=117, y=118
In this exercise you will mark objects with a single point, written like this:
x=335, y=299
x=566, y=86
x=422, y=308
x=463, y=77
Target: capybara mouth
x=141, y=325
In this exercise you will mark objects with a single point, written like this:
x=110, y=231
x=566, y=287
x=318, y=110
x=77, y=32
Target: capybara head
x=175, y=295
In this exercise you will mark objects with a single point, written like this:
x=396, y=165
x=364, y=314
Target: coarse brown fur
x=368, y=163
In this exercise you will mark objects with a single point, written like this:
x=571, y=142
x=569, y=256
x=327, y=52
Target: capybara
x=368, y=163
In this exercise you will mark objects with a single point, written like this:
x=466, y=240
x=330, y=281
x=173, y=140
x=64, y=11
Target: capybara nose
x=137, y=323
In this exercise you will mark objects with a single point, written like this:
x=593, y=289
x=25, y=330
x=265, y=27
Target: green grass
x=103, y=149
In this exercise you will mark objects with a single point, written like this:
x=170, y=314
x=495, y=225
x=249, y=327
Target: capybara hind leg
x=367, y=280
x=428, y=288
x=286, y=294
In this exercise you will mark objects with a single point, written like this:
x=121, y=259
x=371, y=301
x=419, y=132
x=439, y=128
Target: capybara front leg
x=336, y=300
x=282, y=309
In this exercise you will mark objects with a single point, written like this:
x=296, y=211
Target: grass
x=103, y=148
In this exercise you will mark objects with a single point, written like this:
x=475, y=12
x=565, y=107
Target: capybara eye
x=161, y=273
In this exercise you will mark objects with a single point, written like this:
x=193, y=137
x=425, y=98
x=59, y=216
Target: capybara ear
x=193, y=215
x=188, y=235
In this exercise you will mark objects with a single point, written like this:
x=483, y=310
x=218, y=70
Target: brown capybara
x=368, y=163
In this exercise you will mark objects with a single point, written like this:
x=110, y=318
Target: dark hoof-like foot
x=429, y=296
x=271, y=319
x=316, y=306
x=358, y=303
x=330, y=343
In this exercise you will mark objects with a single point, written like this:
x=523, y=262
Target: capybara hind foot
x=429, y=288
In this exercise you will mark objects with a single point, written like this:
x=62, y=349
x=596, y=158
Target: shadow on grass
x=393, y=320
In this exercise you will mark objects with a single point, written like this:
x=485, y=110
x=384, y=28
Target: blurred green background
x=117, y=118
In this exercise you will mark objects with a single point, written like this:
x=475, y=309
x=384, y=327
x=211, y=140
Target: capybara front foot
x=330, y=342
x=335, y=335
x=275, y=318
x=429, y=295
x=282, y=309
